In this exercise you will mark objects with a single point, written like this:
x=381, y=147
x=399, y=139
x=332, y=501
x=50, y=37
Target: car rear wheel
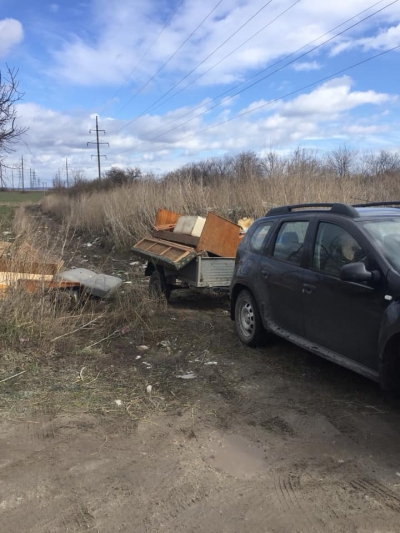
x=247, y=319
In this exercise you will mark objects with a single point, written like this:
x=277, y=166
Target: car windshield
x=386, y=234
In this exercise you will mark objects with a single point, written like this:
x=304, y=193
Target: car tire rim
x=247, y=319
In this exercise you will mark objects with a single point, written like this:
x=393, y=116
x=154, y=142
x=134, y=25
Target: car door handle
x=307, y=288
x=265, y=273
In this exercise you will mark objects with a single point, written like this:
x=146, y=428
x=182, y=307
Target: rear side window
x=334, y=248
x=289, y=242
x=259, y=236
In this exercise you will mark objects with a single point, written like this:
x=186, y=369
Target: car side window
x=258, y=238
x=334, y=248
x=289, y=242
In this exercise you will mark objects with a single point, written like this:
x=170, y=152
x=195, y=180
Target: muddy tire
x=247, y=319
x=158, y=286
x=390, y=371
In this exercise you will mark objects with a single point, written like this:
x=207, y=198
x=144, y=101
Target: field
x=100, y=429
x=18, y=197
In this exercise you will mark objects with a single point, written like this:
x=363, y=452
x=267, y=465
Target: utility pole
x=98, y=145
x=22, y=174
x=66, y=170
x=12, y=178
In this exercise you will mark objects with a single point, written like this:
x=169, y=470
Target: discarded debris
x=164, y=344
x=13, y=376
x=211, y=363
x=99, y=285
x=142, y=347
x=138, y=357
x=118, y=402
x=149, y=388
x=189, y=375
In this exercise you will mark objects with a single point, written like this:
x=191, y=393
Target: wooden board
x=165, y=253
x=165, y=218
x=219, y=236
x=26, y=259
x=181, y=238
x=8, y=278
x=28, y=267
x=37, y=285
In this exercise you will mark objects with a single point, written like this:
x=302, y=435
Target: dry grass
x=126, y=214
x=47, y=321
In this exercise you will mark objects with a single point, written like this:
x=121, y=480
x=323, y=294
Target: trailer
x=173, y=266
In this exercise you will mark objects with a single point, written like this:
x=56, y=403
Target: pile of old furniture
x=189, y=251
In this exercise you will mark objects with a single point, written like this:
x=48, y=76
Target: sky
x=177, y=81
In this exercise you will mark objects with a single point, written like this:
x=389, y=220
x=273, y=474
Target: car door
x=280, y=278
x=339, y=315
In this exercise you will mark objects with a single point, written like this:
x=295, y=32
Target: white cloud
x=11, y=34
x=124, y=31
x=306, y=66
x=383, y=40
x=327, y=112
x=54, y=8
x=333, y=97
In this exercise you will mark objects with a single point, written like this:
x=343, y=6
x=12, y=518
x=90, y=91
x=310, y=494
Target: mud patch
x=235, y=456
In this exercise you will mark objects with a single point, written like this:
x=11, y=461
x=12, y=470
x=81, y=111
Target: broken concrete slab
x=100, y=285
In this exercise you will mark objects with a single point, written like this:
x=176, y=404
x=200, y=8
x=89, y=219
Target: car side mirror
x=356, y=272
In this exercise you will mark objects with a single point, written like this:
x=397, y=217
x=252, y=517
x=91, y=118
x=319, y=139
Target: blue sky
x=118, y=60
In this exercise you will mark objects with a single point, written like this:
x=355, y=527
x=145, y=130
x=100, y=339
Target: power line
x=153, y=106
x=172, y=56
x=268, y=68
x=147, y=51
x=270, y=102
x=206, y=58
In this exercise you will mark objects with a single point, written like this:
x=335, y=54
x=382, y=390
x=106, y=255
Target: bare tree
x=383, y=162
x=78, y=177
x=58, y=183
x=342, y=161
x=10, y=132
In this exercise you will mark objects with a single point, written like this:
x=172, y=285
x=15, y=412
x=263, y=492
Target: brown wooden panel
x=37, y=285
x=165, y=217
x=27, y=267
x=180, y=238
x=219, y=236
x=164, y=249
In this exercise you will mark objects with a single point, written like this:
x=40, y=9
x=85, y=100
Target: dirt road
x=273, y=440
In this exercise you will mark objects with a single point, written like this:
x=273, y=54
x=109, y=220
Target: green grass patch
x=18, y=197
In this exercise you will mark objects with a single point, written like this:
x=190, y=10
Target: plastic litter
x=189, y=375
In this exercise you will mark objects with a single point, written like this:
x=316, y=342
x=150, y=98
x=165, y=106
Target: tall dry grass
x=44, y=321
x=243, y=186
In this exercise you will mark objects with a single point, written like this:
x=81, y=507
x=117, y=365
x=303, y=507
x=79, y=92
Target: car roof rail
x=336, y=208
x=378, y=204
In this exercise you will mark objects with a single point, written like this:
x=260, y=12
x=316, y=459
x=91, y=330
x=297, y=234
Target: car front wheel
x=247, y=319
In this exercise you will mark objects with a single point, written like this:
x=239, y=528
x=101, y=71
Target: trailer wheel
x=158, y=286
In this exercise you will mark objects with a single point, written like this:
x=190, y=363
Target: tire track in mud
x=308, y=512
x=374, y=489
